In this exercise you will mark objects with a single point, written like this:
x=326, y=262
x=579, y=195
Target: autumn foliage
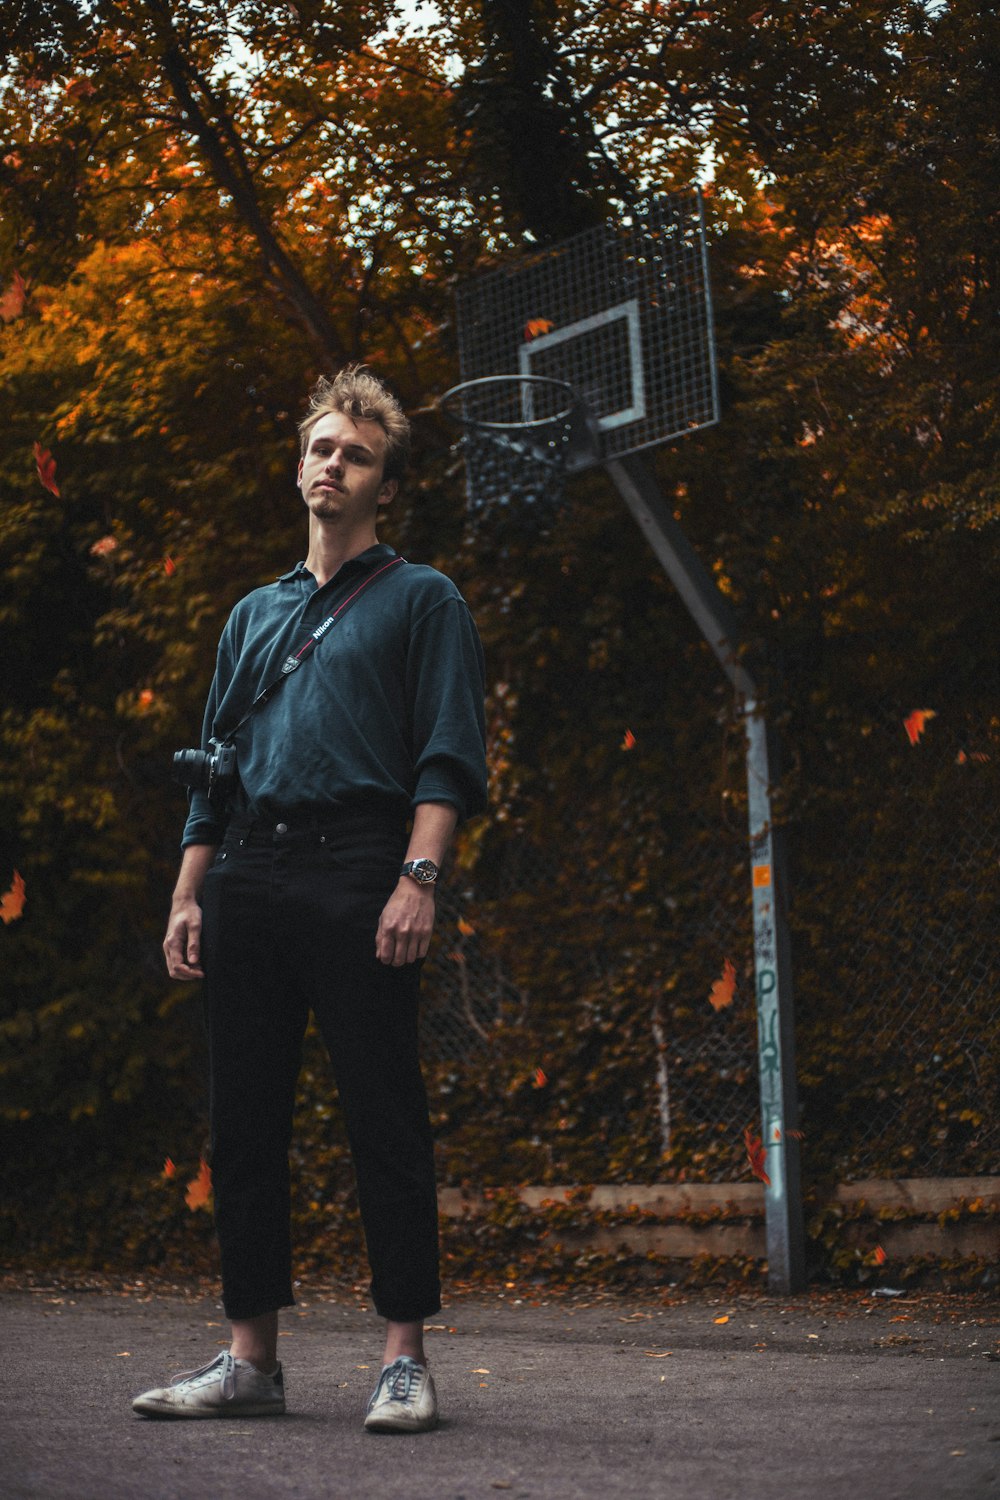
x=204, y=207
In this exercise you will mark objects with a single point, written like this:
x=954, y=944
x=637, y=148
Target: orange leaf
x=199, y=1192
x=628, y=743
x=722, y=991
x=915, y=723
x=169, y=1170
x=12, y=901
x=880, y=1256
x=756, y=1156
x=536, y=326
x=169, y=567
x=46, y=465
x=723, y=1319
x=466, y=928
x=104, y=546
x=12, y=300
x=146, y=700
x=541, y=1079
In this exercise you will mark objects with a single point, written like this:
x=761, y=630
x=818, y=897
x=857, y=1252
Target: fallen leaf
x=536, y=326
x=124, y=1354
x=46, y=466
x=12, y=300
x=466, y=928
x=657, y=1354
x=479, y=1372
x=12, y=901
x=722, y=991
x=169, y=1170
x=915, y=723
x=723, y=1319
x=756, y=1156
x=199, y=1192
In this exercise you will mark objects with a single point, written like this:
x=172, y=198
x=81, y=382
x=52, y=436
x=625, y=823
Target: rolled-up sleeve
x=445, y=689
x=206, y=824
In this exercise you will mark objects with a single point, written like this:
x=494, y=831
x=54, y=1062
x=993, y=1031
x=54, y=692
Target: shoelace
x=227, y=1374
x=398, y=1378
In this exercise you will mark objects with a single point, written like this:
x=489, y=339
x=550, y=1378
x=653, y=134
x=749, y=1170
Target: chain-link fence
x=894, y=913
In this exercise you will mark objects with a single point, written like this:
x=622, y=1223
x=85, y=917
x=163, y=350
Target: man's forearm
x=433, y=829
x=194, y=866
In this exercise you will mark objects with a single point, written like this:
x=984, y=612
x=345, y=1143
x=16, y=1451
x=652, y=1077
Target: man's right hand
x=182, y=944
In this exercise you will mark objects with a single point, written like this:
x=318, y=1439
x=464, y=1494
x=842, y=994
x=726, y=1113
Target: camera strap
x=292, y=663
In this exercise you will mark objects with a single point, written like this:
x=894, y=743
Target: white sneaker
x=404, y=1399
x=226, y=1387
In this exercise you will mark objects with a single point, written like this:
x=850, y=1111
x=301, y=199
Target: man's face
x=340, y=474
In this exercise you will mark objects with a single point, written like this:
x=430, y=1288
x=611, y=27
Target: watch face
x=424, y=870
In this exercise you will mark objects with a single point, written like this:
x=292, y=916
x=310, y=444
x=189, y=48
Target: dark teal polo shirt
x=385, y=713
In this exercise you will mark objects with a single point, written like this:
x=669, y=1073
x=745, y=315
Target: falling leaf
x=880, y=1256
x=12, y=901
x=915, y=723
x=541, y=1078
x=466, y=928
x=199, y=1192
x=12, y=300
x=169, y=1170
x=756, y=1156
x=104, y=546
x=46, y=465
x=722, y=991
x=536, y=326
x=628, y=743
x=169, y=567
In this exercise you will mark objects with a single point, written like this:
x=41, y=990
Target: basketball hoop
x=522, y=435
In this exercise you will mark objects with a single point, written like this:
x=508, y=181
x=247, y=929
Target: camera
x=211, y=771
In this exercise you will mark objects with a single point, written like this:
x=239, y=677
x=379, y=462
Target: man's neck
x=329, y=550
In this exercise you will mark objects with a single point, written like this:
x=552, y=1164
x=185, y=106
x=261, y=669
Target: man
x=306, y=892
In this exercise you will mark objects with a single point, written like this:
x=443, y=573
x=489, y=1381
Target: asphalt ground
x=705, y=1396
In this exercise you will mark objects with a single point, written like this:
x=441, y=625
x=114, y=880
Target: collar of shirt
x=363, y=563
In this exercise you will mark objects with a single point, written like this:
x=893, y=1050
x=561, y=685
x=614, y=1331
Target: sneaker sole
x=168, y=1413
x=387, y=1424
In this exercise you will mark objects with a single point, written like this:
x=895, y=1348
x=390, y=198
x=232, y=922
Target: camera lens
x=191, y=768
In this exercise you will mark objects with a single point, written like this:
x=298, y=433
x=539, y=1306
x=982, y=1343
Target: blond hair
x=357, y=393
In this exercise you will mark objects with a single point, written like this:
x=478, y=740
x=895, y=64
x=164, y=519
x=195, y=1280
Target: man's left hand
x=406, y=924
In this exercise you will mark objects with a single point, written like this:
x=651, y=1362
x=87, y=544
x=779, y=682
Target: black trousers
x=290, y=912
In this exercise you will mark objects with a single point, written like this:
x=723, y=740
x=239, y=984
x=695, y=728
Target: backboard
x=620, y=312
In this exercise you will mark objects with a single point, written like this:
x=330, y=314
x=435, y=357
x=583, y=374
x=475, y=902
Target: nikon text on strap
x=292, y=663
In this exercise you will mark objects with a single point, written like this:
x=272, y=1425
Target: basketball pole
x=636, y=483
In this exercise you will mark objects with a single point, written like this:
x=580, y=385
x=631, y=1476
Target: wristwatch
x=423, y=871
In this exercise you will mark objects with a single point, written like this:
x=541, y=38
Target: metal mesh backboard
x=623, y=313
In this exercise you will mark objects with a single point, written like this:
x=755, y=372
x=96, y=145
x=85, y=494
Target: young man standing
x=312, y=889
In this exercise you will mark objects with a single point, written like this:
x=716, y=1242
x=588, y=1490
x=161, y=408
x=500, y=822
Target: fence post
x=636, y=483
